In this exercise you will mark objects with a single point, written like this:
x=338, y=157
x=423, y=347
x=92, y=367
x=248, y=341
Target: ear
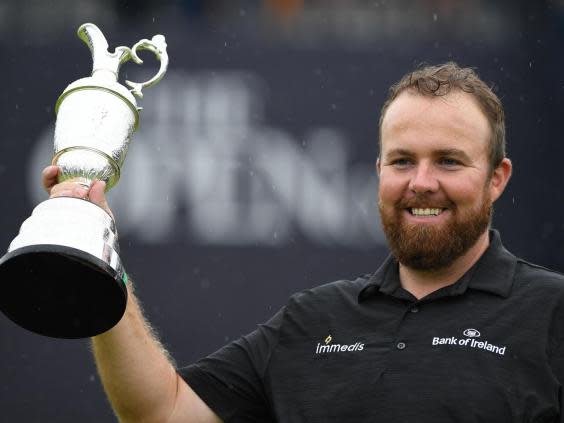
x=378, y=166
x=500, y=178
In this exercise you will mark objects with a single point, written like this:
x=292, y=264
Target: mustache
x=423, y=202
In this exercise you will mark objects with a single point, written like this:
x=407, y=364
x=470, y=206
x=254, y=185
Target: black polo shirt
x=489, y=348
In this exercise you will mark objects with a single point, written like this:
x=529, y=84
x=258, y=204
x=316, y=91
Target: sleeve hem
x=206, y=388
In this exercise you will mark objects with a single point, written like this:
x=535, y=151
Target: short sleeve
x=556, y=353
x=231, y=380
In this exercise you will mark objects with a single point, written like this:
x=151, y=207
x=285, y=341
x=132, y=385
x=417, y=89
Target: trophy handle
x=157, y=45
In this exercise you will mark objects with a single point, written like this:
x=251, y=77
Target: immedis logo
x=327, y=347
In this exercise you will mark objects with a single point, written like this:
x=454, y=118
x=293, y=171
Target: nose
x=423, y=179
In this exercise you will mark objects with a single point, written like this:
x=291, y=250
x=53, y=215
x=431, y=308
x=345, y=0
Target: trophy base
x=60, y=291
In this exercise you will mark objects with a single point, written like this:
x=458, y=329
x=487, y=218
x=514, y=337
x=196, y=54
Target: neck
x=421, y=283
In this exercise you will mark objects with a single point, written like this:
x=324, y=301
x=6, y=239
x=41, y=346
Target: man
x=451, y=327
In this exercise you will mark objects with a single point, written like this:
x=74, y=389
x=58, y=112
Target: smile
x=425, y=212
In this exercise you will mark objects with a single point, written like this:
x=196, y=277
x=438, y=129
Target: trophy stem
x=86, y=183
x=102, y=167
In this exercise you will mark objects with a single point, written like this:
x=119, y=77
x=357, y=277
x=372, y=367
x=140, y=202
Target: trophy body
x=62, y=275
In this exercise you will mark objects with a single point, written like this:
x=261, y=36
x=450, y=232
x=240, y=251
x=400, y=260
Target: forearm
x=138, y=377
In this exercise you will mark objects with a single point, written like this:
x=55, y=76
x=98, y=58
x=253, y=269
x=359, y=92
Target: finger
x=49, y=177
x=98, y=196
x=69, y=189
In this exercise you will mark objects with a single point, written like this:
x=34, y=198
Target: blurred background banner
x=252, y=174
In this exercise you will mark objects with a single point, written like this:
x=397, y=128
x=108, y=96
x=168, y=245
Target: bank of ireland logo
x=328, y=347
x=471, y=333
x=470, y=341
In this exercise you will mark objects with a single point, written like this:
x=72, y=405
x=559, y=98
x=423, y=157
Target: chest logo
x=470, y=341
x=327, y=347
x=471, y=333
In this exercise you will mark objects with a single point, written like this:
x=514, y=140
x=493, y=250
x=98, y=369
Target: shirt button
x=400, y=346
x=414, y=309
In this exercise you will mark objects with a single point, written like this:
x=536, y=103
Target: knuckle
x=60, y=193
x=80, y=191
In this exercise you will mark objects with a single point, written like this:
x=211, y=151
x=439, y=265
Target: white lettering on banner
x=205, y=166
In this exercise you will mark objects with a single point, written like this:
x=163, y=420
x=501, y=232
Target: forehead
x=415, y=121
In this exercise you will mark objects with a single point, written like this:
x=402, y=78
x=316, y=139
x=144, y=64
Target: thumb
x=98, y=196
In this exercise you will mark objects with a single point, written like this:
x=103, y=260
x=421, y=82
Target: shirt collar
x=492, y=273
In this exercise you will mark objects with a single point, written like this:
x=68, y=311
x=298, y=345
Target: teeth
x=426, y=212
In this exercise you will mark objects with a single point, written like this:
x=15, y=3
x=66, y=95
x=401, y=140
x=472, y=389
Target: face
x=436, y=191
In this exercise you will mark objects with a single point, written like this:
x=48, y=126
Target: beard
x=430, y=247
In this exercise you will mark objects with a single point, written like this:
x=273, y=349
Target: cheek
x=390, y=189
x=465, y=192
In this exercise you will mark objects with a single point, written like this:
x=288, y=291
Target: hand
x=73, y=189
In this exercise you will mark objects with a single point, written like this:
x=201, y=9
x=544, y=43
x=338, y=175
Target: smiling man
x=442, y=166
x=450, y=328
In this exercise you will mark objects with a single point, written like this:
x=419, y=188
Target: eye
x=401, y=162
x=449, y=162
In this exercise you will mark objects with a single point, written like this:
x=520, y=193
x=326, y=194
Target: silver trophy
x=62, y=275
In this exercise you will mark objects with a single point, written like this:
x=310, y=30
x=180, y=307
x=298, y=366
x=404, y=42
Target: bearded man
x=451, y=327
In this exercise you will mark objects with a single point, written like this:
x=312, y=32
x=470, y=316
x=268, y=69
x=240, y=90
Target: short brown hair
x=439, y=80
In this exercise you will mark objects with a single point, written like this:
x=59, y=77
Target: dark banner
x=252, y=174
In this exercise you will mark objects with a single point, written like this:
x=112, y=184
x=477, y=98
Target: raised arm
x=138, y=376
